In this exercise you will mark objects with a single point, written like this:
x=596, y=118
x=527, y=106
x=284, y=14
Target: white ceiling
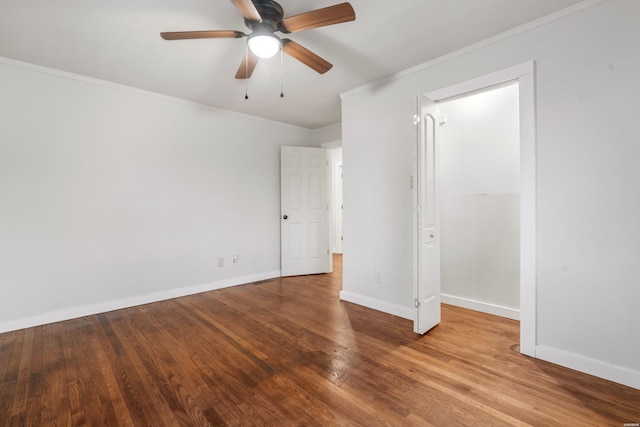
x=119, y=41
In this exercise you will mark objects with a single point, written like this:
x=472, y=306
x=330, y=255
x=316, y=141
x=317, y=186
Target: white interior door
x=304, y=216
x=338, y=209
x=426, y=221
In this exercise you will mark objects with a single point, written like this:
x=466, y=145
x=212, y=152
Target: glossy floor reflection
x=287, y=352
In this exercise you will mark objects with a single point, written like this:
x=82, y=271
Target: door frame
x=524, y=74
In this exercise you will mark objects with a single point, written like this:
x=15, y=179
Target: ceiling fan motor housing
x=271, y=13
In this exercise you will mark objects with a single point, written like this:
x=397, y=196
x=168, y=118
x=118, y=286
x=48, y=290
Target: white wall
x=111, y=196
x=326, y=135
x=587, y=180
x=479, y=196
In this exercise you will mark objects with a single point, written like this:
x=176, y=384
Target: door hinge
x=411, y=181
x=416, y=302
x=327, y=251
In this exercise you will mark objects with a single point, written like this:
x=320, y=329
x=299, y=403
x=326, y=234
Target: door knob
x=284, y=217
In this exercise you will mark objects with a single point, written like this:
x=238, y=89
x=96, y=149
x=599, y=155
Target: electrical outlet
x=235, y=259
x=379, y=276
x=220, y=262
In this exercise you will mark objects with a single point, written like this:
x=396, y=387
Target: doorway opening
x=337, y=202
x=427, y=283
x=478, y=162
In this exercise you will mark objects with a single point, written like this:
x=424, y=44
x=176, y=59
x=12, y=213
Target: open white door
x=304, y=215
x=426, y=257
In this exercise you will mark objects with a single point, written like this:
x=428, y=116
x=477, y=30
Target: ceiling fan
x=264, y=18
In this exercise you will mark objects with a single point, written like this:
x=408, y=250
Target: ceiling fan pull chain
x=246, y=70
x=281, y=72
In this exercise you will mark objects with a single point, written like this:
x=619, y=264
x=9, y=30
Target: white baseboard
x=589, y=366
x=87, y=310
x=376, y=304
x=497, y=310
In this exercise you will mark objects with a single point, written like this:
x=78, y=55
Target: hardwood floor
x=287, y=352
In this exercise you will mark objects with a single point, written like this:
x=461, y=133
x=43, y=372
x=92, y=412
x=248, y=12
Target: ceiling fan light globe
x=264, y=46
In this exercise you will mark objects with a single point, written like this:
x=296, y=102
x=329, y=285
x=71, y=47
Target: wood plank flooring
x=287, y=352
